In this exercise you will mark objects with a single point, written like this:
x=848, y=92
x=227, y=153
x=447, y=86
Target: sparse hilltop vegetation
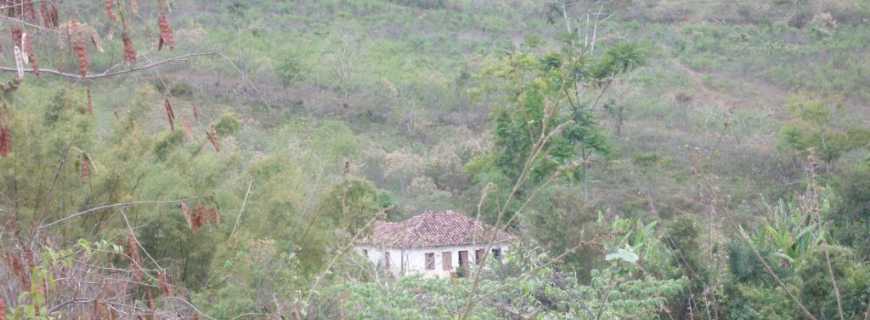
x=655, y=159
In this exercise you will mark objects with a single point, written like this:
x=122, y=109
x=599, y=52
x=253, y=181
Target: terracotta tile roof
x=433, y=229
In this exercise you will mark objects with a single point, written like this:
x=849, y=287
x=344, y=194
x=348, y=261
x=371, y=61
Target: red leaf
x=48, y=10
x=166, y=37
x=86, y=167
x=203, y=215
x=28, y=258
x=170, y=114
x=17, y=35
x=163, y=283
x=43, y=11
x=29, y=12
x=110, y=4
x=129, y=50
x=18, y=269
x=135, y=257
x=5, y=141
x=2, y=309
x=80, y=49
x=196, y=219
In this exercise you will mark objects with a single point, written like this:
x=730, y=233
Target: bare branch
x=104, y=207
x=242, y=209
x=109, y=74
x=24, y=23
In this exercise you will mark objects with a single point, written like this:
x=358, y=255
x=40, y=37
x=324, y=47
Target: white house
x=433, y=244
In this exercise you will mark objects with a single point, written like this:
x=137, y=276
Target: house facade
x=433, y=244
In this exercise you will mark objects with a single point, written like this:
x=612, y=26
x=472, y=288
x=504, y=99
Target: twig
x=133, y=233
x=24, y=23
x=775, y=277
x=353, y=241
x=834, y=281
x=242, y=209
x=104, y=207
x=108, y=74
x=68, y=302
x=543, y=140
x=195, y=309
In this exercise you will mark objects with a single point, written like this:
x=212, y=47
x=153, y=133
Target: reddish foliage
x=18, y=269
x=29, y=11
x=170, y=114
x=135, y=257
x=86, y=167
x=129, y=51
x=28, y=258
x=163, y=283
x=78, y=37
x=196, y=220
x=213, y=138
x=43, y=11
x=166, y=37
x=2, y=309
x=5, y=141
x=90, y=101
x=80, y=49
x=17, y=36
x=110, y=10
x=102, y=311
x=203, y=215
x=48, y=10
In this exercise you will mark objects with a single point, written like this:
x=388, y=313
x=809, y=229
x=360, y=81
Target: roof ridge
x=434, y=228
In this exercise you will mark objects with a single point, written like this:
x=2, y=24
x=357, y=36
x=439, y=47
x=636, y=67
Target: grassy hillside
x=743, y=134
x=714, y=86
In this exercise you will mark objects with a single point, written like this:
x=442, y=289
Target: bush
x=291, y=70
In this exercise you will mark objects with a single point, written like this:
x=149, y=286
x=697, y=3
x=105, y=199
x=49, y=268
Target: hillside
x=695, y=159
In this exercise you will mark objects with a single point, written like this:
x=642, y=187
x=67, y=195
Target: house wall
x=413, y=261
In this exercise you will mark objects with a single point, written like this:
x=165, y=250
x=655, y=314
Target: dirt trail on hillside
x=759, y=94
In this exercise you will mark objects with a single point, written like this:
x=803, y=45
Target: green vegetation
x=668, y=159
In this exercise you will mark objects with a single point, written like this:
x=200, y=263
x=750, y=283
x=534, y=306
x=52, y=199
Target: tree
x=544, y=126
x=815, y=129
x=64, y=182
x=851, y=216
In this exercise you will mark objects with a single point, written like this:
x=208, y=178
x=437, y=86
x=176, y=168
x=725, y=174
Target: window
x=447, y=260
x=496, y=253
x=463, y=259
x=386, y=259
x=479, y=255
x=430, y=261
